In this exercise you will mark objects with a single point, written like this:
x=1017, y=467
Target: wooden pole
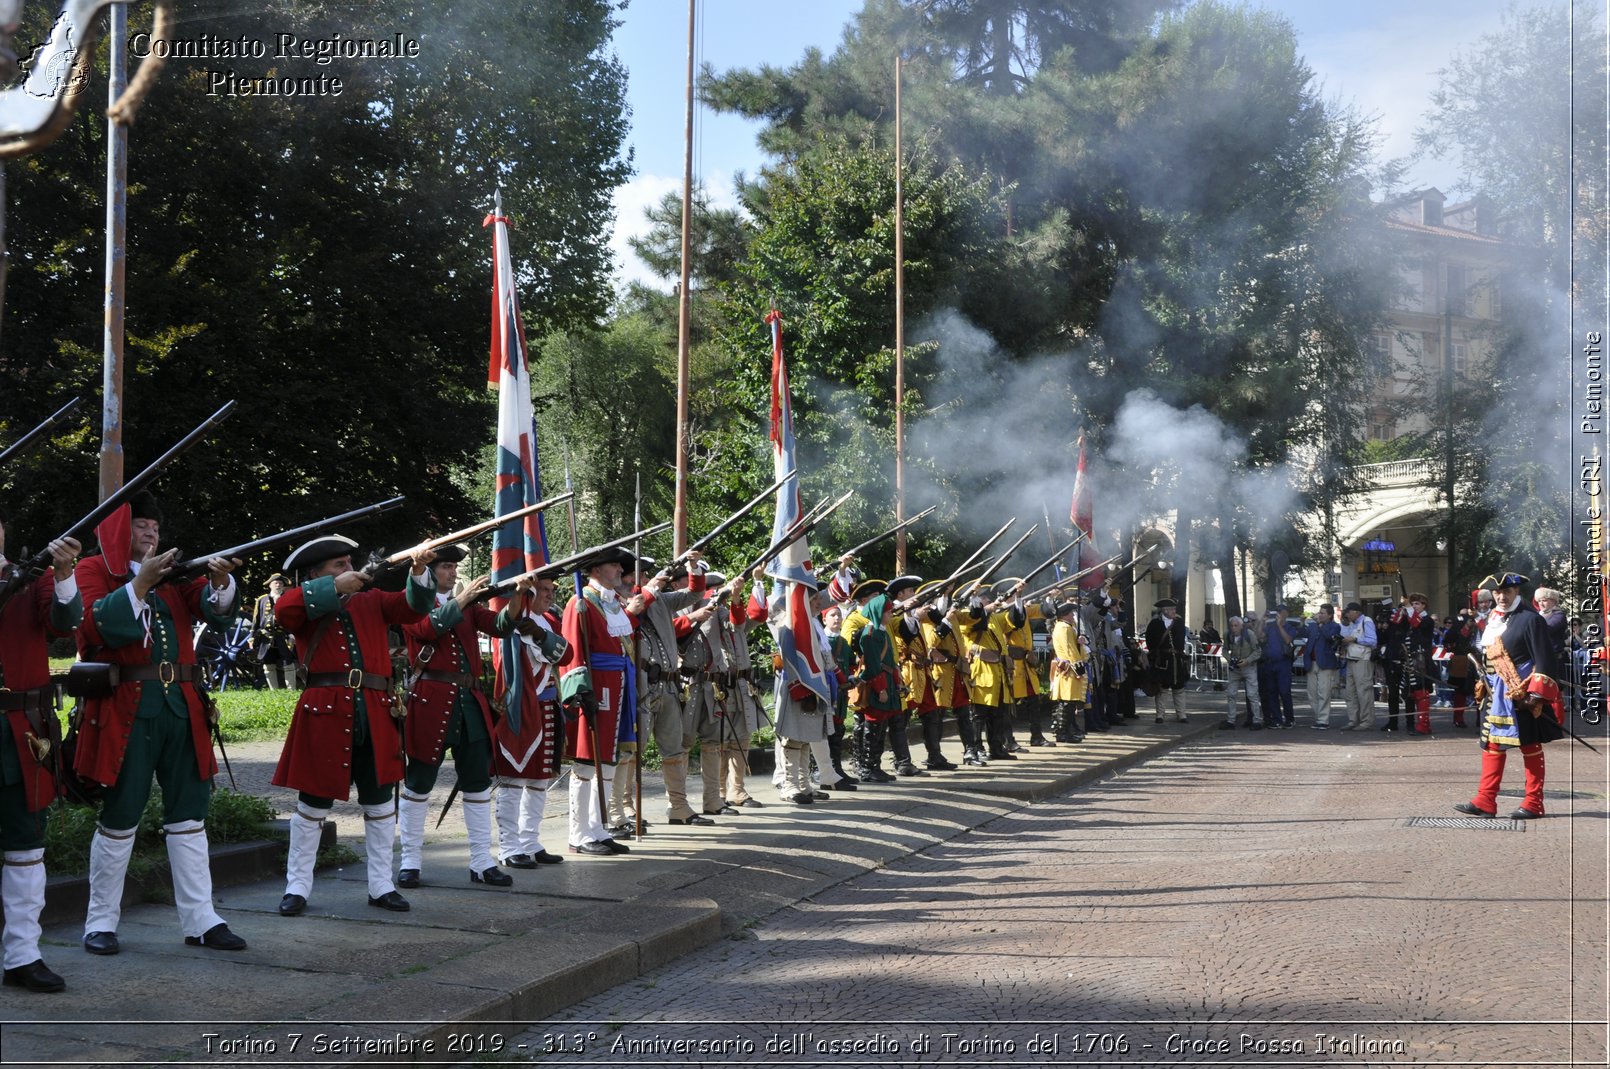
x=117, y=169
x=679, y=517
x=899, y=327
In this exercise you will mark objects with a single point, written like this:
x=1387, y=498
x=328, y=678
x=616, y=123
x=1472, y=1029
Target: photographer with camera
x=1322, y=658
x=1359, y=642
x=1241, y=653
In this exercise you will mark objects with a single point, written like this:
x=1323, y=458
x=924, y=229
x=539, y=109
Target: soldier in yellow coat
x=855, y=621
x=946, y=684
x=1068, y=674
x=912, y=656
x=983, y=636
x=1028, y=695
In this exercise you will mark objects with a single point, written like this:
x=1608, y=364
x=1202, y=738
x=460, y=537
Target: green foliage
x=231, y=818
x=255, y=715
x=320, y=259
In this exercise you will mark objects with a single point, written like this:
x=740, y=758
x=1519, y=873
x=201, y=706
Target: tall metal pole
x=899, y=327
x=117, y=170
x=1448, y=458
x=679, y=517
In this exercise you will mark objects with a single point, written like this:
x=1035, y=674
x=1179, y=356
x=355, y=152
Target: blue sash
x=626, y=720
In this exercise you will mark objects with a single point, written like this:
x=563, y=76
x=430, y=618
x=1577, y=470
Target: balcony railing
x=1415, y=470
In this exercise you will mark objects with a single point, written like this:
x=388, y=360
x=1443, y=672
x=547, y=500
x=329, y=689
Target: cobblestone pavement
x=1246, y=898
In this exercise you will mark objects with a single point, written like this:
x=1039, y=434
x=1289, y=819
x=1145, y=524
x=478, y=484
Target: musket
x=801, y=529
x=917, y=601
x=193, y=567
x=566, y=564
x=35, y=566
x=890, y=533
x=22, y=444
x=380, y=565
x=1074, y=578
x=993, y=568
x=1053, y=558
x=978, y=554
x=726, y=524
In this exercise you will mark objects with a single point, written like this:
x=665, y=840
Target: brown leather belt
x=457, y=679
x=657, y=674
x=989, y=656
x=1017, y=653
x=38, y=699
x=353, y=679
x=161, y=672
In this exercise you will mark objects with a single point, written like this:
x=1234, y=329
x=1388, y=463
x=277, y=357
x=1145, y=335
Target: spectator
x=1359, y=641
x=1274, y=669
x=1241, y=653
x=1322, y=659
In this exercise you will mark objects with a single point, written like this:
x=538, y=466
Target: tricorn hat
x=1166, y=603
x=451, y=554
x=1499, y=582
x=902, y=583
x=868, y=588
x=321, y=549
x=278, y=577
x=616, y=555
x=1065, y=607
x=1003, y=587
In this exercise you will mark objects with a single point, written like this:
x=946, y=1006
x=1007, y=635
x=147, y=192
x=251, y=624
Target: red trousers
x=1492, y=774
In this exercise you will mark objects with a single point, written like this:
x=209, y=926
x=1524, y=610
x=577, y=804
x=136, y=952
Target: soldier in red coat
x=47, y=608
x=152, y=722
x=447, y=708
x=343, y=731
x=598, y=681
x=526, y=755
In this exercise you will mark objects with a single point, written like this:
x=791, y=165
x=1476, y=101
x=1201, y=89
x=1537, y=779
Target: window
x=1458, y=291
x=1461, y=357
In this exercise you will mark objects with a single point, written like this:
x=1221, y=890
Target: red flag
x=1081, y=517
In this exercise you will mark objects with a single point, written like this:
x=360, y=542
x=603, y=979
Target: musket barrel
x=481, y=528
x=978, y=553
x=726, y=524
x=993, y=568
x=890, y=533
x=197, y=565
x=21, y=444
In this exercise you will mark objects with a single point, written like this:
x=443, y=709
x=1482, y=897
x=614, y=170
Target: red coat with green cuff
x=27, y=624
x=452, y=637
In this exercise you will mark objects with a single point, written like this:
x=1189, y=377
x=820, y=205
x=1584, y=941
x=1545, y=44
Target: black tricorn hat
x=1498, y=582
x=1065, y=607
x=1002, y=587
x=902, y=583
x=451, y=554
x=618, y=555
x=321, y=549
x=868, y=588
x=1166, y=603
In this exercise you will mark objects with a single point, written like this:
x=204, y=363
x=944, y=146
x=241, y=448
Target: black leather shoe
x=35, y=977
x=292, y=906
x=876, y=775
x=101, y=942
x=1002, y=755
x=841, y=785
x=1525, y=814
x=820, y=796
x=845, y=776
x=542, y=857
x=940, y=765
x=492, y=877
x=391, y=900
x=909, y=769
x=1040, y=740
x=593, y=849
x=617, y=848
x=1471, y=811
x=520, y=861
x=748, y=803
x=802, y=798
x=725, y=811
x=218, y=937
x=408, y=878
x=691, y=821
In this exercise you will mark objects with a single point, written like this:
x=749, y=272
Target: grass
x=232, y=818
x=255, y=715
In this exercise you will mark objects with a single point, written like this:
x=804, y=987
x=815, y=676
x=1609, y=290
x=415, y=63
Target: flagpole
x=679, y=515
x=117, y=188
x=899, y=328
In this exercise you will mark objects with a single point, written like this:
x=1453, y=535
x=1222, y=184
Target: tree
x=319, y=258
x=1524, y=114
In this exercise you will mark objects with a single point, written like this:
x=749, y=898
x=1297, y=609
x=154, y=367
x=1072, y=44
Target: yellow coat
x=1025, y=677
x=987, y=682
x=912, y=654
x=943, y=676
x=1068, y=648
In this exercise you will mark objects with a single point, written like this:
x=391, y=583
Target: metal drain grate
x=1479, y=823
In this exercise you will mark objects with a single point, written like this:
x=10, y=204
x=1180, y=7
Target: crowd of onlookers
x=1367, y=653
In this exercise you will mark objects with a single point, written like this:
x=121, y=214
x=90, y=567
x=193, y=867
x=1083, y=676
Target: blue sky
x=1379, y=55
